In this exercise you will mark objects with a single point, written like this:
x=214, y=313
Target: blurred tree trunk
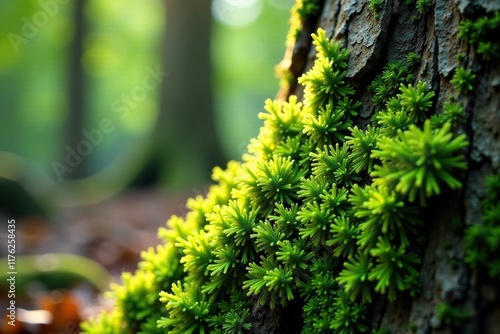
x=76, y=108
x=185, y=143
x=372, y=44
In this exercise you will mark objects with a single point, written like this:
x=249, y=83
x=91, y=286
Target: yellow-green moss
x=318, y=209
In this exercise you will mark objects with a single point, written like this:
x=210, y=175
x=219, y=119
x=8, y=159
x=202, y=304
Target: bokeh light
x=236, y=13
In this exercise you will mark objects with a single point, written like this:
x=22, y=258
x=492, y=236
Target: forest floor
x=112, y=233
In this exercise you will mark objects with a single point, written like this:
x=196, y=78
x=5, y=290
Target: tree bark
x=373, y=42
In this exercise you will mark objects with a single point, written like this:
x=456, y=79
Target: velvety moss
x=319, y=210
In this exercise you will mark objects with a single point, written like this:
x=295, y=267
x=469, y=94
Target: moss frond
x=418, y=160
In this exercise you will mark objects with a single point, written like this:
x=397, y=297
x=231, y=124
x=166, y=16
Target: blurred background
x=112, y=113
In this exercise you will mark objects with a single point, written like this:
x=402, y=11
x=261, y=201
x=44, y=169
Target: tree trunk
x=185, y=136
x=76, y=115
x=374, y=39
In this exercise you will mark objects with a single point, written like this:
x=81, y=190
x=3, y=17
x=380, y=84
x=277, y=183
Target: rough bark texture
x=372, y=44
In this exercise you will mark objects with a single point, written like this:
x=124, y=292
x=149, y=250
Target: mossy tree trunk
x=307, y=237
x=374, y=39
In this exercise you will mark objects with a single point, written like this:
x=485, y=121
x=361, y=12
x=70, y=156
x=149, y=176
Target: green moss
x=233, y=316
x=413, y=59
x=452, y=113
x=302, y=10
x=482, y=34
x=382, y=330
x=451, y=315
x=376, y=5
x=482, y=240
x=423, y=6
x=319, y=210
x=463, y=80
x=306, y=8
x=387, y=84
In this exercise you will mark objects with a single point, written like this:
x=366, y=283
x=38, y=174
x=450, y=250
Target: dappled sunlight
x=236, y=13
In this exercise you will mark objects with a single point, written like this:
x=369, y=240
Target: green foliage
x=393, y=265
x=301, y=11
x=362, y=144
x=319, y=208
x=272, y=282
x=489, y=50
x=354, y=278
x=482, y=240
x=463, y=80
x=482, y=34
x=236, y=223
x=334, y=164
x=451, y=315
x=418, y=160
x=316, y=220
x=387, y=84
x=325, y=81
x=269, y=182
x=233, y=316
x=393, y=121
x=416, y=100
x=349, y=316
x=344, y=237
x=307, y=8
x=382, y=212
x=327, y=127
x=413, y=59
x=198, y=254
x=105, y=322
x=293, y=256
x=424, y=6
x=282, y=118
x=376, y=5
x=189, y=309
x=159, y=262
x=135, y=298
x=453, y=113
